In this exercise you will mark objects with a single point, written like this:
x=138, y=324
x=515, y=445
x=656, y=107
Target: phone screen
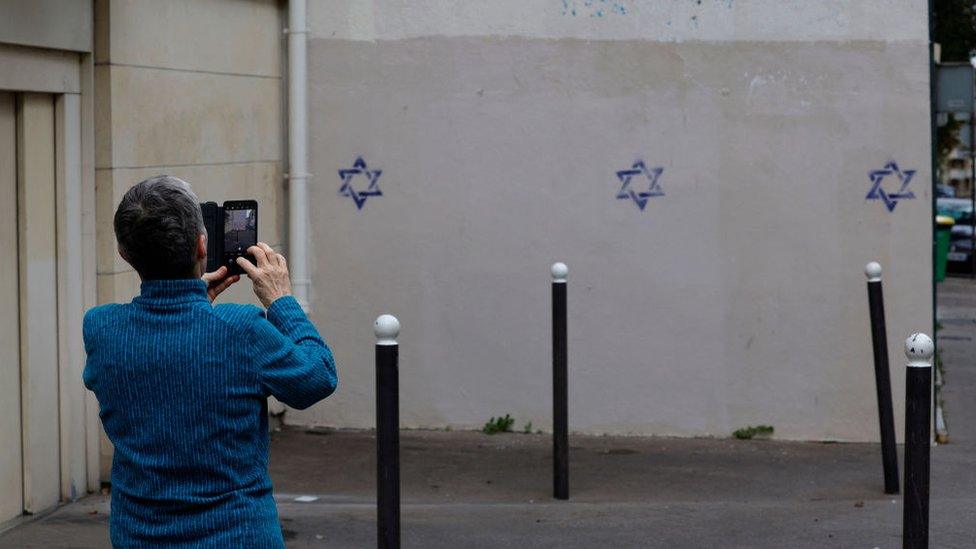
x=240, y=230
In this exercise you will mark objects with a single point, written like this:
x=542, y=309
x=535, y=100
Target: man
x=182, y=385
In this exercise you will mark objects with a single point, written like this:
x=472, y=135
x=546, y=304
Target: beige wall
x=11, y=454
x=54, y=24
x=45, y=49
x=43, y=43
x=736, y=299
x=37, y=247
x=191, y=88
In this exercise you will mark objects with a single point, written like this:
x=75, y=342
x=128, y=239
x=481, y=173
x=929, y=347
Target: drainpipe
x=297, y=153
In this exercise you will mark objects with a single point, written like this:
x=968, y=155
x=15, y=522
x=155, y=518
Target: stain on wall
x=596, y=8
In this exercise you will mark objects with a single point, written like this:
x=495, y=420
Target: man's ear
x=201, y=247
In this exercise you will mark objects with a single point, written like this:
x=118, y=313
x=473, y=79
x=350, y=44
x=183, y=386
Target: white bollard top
x=919, y=349
x=387, y=328
x=873, y=271
x=559, y=272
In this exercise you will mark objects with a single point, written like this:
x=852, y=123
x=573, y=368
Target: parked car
x=959, y=209
x=960, y=257
x=960, y=253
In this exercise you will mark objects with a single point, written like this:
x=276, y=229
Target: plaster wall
x=54, y=24
x=45, y=65
x=735, y=299
x=191, y=89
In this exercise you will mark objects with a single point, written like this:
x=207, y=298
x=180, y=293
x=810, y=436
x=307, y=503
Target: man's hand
x=218, y=281
x=269, y=276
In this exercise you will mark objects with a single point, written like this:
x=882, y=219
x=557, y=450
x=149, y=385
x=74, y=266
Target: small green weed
x=747, y=433
x=499, y=425
x=528, y=428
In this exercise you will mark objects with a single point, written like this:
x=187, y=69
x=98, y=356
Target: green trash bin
x=943, y=232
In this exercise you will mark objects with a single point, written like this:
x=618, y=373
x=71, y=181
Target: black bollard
x=560, y=385
x=387, y=433
x=882, y=378
x=918, y=417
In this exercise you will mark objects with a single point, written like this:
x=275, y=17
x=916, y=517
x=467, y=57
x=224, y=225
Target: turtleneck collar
x=172, y=291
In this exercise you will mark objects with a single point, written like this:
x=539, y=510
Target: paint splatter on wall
x=607, y=8
x=596, y=8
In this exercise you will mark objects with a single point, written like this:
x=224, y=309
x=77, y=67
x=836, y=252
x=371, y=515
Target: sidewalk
x=465, y=489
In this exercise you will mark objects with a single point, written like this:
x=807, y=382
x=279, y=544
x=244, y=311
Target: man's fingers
x=260, y=256
x=248, y=267
x=215, y=275
x=230, y=282
x=273, y=257
x=281, y=261
x=225, y=284
x=269, y=252
x=216, y=290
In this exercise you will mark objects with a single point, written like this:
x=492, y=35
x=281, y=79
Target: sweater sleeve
x=88, y=336
x=293, y=362
x=92, y=324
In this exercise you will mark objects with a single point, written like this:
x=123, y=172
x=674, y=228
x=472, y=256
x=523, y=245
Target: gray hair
x=157, y=225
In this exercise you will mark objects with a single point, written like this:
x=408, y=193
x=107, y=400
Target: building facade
x=954, y=104
x=94, y=97
x=48, y=422
x=716, y=174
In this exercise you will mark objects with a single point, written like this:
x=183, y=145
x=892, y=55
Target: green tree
x=955, y=28
x=947, y=139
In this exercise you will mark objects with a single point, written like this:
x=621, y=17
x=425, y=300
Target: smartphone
x=240, y=232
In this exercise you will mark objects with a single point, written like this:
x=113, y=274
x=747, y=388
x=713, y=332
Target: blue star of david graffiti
x=640, y=197
x=348, y=176
x=878, y=192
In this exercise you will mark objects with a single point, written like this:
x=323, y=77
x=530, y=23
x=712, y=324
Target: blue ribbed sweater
x=182, y=388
